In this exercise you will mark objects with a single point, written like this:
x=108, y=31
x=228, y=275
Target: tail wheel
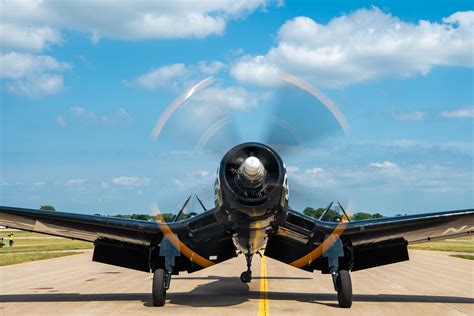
x=246, y=276
x=158, y=290
x=344, y=289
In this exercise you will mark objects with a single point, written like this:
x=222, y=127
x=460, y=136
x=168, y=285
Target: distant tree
x=330, y=215
x=187, y=215
x=47, y=208
x=364, y=215
x=165, y=217
x=361, y=216
x=316, y=213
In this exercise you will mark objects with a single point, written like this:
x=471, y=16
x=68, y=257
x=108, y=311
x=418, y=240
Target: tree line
x=332, y=214
x=168, y=217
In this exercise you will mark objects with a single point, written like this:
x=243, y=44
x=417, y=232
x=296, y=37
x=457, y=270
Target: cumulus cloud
x=215, y=101
x=466, y=112
x=175, y=75
x=25, y=38
x=201, y=173
x=84, y=115
x=314, y=178
x=32, y=76
x=131, y=181
x=76, y=181
x=122, y=20
x=160, y=77
x=366, y=44
x=292, y=169
x=384, y=165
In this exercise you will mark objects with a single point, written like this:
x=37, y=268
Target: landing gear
x=161, y=283
x=343, y=286
x=246, y=276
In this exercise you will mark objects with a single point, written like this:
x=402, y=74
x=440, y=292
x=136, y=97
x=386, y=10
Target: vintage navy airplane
x=251, y=215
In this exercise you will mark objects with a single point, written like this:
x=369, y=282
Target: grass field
x=14, y=258
x=469, y=257
x=461, y=244
x=34, y=246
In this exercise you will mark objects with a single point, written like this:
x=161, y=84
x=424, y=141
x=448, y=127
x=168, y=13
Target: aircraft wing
x=367, y=243
x=132, y=243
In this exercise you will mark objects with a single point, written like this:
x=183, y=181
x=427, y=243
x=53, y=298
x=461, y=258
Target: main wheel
x=159, y=291
x=246, y=276
x=344, y=289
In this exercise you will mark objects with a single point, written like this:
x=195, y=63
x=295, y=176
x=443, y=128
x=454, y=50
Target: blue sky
x=81, y=91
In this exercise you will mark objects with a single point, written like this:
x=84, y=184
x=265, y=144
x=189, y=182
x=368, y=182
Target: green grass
x=469, y=257
x=4, y=234
x=37, y=247
x=463, y=244
x=14, y=258
x=32, y=245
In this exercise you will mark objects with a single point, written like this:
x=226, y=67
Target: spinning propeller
x=287, y=117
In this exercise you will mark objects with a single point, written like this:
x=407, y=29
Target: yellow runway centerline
x=263, y=305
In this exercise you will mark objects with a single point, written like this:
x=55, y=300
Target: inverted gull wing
x=80, y=226
x=129, y=243
x=368, y=243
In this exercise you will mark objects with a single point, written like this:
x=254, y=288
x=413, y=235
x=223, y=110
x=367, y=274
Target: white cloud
x=32, y=76
x=387, y=165
x=76, y=181
x=131, y=181
x=315, y=171
x=409, y=116
x=122, y=20
x=257, y=70
x=160, y=77
x=39, y=184
x=314, y=178
x=201, y=173
x=84, y=115
x=214, y=101
x=466, y=112
x=175, y=75
x=60, y=121
x=292, y=169
x=21, y=37
x=364, y=45
x=210, y=68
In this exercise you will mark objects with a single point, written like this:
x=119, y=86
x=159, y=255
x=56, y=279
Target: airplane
x=251, y=216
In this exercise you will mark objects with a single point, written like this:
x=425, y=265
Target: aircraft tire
x=246, y=277
x=344, y=292
x=158, y=290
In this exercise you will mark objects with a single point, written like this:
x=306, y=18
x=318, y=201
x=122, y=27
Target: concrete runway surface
x=431, y=283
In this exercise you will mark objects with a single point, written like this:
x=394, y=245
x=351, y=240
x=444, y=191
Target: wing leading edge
x=130, y=243
x=300, y=241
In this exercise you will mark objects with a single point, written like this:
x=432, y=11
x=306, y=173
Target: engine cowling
x=252, y=181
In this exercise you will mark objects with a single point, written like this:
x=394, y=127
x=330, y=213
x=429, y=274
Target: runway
x=431, y=283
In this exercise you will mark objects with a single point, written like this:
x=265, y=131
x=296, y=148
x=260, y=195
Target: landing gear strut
x=343, y=286
x=246, y=276
x=161, y=283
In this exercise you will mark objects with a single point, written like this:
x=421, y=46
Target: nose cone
x=252, y=169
